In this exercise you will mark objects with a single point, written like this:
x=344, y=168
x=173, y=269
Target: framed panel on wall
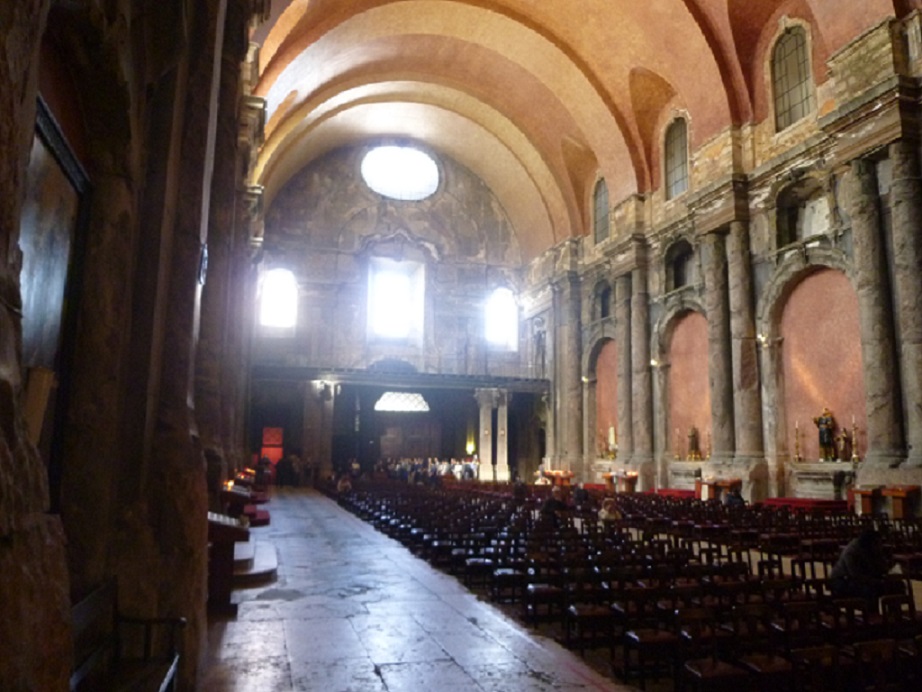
x=54, y=219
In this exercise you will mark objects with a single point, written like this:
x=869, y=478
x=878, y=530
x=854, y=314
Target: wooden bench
x=113, y=651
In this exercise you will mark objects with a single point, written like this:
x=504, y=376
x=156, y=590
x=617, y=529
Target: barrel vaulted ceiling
x=539, y=98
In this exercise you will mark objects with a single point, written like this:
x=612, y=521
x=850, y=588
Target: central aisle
x=353, y=610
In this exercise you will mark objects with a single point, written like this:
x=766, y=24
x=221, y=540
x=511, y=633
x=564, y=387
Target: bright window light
x=278, y=301
x=395, y=299
x=401, y=173
x=401, y=401
x=502, y=320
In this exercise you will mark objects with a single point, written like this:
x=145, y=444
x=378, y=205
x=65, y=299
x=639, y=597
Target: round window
x=402, y=173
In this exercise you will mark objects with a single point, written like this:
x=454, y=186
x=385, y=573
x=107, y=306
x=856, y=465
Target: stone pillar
x=878, y=350
x=747, y=411
x=716, y=302
x=319, y=400
x=623, y=339
x=486, y=399
x=567, y=368
x=641, y=380
x=502, y=435
x=215, y=371
x=906, y=204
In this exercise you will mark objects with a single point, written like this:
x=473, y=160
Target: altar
x=559, y=477
x=821, y=480
x=621, y=481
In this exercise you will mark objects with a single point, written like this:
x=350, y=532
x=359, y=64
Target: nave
x=353, y=610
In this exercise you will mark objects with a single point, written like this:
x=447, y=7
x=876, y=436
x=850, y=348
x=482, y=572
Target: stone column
x=878, y=350
x=641, y=380
x=906, y=204
x=747, y=411
x=216, y=367
x=502, y=435
x=625, y=354
x=486, y=399
x=567, y=368
x=716, y=302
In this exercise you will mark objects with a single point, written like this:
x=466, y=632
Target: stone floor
x=353, y=610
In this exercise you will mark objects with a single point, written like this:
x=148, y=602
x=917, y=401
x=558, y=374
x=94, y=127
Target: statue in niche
x=540, y=352
x=826, y=426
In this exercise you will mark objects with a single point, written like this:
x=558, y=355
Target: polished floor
x=352, y=610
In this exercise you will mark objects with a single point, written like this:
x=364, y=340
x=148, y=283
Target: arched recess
x=820, y=358
x=601, y=396
x=778, y=364
x=687, y=393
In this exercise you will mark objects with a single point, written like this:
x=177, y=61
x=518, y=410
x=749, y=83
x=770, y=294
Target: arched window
x=802, y=212
x=278, y=299
x=502, y=320
x=680, y=267
x=600, y=211
x=396, y=299
x=676, y=150
x=602, y=303
x=791, y=80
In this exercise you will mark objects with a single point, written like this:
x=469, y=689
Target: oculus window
x=502, y=320
x=404, y=402
x=278, y=300
x=401, y=173
x=676, y=158
x=396, y=292
x=791, y=80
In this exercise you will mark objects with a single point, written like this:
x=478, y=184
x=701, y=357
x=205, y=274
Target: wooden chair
x=701, y=644
x=650, y=639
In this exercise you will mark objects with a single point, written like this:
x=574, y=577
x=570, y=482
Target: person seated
x=552, y=505
x=580, y=495
x=344, y=485
x=609, y=511
x=734, y=498
x=861, y=569
x=519, y=493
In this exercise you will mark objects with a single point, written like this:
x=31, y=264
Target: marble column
x=878, y=349
x=747, y=403
x=717, y=307
x=641, y=379
x=502, y=435
x=486, y=399
x=623, y=340
x=906, y=205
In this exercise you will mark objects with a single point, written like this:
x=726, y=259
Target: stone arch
x=794, y=270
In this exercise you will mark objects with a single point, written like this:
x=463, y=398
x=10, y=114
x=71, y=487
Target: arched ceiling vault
x=536, y=97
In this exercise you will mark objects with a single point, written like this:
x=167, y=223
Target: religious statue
x=843, y=444
x=826, y=426
x=694, y=444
